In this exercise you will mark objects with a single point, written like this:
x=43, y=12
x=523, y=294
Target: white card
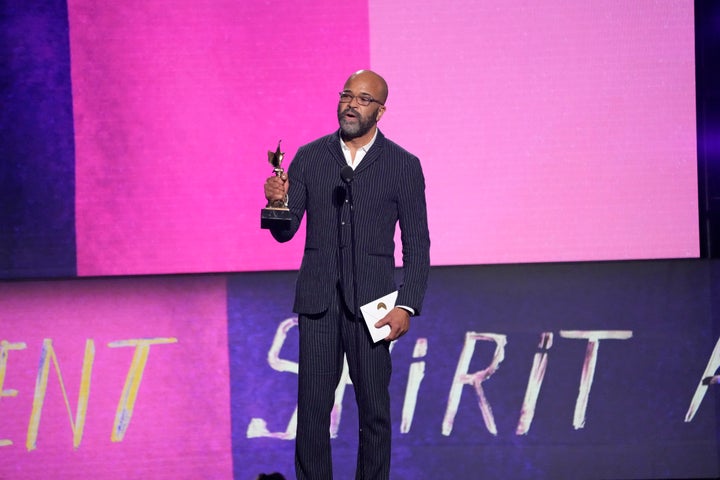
x=374, y=311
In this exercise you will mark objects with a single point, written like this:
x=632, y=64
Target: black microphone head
x=347, y=173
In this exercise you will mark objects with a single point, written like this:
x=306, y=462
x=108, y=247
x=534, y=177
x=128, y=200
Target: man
x=387, y=187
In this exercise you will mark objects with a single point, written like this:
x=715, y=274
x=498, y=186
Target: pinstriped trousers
x=324, y=338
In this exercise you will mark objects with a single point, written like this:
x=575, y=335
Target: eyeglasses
x=364, y=100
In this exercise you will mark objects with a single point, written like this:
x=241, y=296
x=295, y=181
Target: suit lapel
x=333, y=145
x=373, y=154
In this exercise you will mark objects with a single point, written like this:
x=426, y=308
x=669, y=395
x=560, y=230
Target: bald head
x=373, y=83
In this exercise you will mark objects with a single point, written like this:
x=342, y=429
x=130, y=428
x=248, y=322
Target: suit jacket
x=388, y=187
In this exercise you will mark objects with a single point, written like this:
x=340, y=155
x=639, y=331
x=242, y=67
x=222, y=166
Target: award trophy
x=276, y=215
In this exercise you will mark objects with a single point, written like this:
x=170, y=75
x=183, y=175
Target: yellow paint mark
x=47, y=354
x=5, y=348
x=128, y=397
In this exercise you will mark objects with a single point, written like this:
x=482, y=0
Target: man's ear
x=379, y=113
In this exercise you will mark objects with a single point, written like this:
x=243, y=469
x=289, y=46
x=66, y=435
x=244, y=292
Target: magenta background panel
x=553, y=131
x=176, y=105
x=180, y=423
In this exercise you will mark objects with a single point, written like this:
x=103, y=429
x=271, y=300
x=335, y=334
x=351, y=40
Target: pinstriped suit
x=388, y=188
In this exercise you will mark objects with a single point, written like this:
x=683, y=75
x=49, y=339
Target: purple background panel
x=176, y=105
x=641, y=391
x=37, y=169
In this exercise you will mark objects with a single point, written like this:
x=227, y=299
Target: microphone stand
x=347, y=173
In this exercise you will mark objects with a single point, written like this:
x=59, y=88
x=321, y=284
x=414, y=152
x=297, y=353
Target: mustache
x=349, y=110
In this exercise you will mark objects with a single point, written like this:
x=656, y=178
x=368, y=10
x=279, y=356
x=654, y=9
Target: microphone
x=347, y=173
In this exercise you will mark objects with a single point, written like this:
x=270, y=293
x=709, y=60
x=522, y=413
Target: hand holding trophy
x=276, y=215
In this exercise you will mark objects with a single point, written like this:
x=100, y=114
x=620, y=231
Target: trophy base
x=275, y=218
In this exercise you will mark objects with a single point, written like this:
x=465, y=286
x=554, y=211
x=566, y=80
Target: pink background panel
x=176, y=105
x=548, y=131
x=180, y=426
x=558, y=131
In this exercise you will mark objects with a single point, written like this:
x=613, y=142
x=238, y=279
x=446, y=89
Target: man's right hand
x=276, y=188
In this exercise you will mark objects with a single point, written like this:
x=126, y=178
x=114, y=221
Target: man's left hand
x=399, y=321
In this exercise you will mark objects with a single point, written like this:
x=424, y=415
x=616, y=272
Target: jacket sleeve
x=414, y=235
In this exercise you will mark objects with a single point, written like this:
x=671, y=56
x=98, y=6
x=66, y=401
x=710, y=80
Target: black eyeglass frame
x=362, y=100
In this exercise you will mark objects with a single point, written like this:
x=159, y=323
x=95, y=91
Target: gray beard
x=350, y=131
